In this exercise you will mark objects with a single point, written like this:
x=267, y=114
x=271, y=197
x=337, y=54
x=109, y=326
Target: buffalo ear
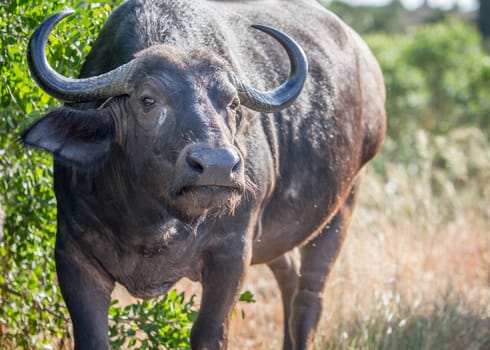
x=80, y=138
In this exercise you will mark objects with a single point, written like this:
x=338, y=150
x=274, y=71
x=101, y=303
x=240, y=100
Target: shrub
x=32, y=313
x=150, y=324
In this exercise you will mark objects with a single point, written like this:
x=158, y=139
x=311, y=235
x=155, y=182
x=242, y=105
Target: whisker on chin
x=251, y=188
x=246, y=193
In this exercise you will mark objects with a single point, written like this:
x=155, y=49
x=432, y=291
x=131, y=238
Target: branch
x=37, y=303
x=7, y=289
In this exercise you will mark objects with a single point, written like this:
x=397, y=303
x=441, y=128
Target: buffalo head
x=177, y=115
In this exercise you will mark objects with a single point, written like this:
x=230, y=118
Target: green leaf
x=247, y=297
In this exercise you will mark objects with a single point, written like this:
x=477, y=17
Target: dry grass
x=406, y=278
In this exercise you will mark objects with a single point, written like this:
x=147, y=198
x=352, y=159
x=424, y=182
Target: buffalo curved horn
x=100, y=87
x=284, y=95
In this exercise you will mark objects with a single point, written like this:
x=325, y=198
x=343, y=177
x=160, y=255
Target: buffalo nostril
x=195, y=163
x=236, y=167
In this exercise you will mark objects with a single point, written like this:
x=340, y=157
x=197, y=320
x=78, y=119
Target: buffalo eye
x=147, y=102
x=233, y=106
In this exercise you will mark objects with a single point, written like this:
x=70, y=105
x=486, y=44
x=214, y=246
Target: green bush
x=149, y=324
x=32, y=313
x=437, y=78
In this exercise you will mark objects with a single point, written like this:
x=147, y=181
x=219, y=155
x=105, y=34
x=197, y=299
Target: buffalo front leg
x=286, y=271
x=222, y=281
x=317, y=259
x=87, y=294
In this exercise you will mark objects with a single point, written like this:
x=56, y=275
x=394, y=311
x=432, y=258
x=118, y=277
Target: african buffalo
x=180, y=153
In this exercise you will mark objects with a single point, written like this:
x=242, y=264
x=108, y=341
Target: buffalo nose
x=213, y=166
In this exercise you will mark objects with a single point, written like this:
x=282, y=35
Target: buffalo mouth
x=196, y=200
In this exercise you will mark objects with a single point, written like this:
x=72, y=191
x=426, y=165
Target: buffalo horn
x=66, y=89
x=284, y=95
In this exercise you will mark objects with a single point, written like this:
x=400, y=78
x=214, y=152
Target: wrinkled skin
x=134, y=208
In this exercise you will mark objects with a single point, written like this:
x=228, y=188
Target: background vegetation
x=422, y=225
x=32, y=313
